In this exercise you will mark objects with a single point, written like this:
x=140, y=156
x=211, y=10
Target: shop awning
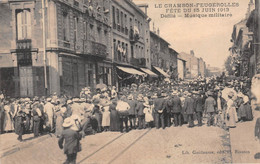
x=162, y=72
x=149, y=72
x=130, y=70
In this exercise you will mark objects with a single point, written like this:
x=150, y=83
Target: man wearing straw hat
x=72, y=138
x=49, y=111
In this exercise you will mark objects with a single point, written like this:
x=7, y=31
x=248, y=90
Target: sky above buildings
x=209, y=37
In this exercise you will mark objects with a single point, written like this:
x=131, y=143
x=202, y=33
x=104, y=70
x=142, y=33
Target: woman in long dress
x=105, y=115
x=114, y=117
x=8, y=126
x=148, y=108
x=231, y=112
x=59, y=121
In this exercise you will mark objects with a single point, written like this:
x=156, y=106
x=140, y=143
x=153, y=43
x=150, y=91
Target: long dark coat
x=176, y=105
x=114, y=118
x=189, y=106
x=72, y=139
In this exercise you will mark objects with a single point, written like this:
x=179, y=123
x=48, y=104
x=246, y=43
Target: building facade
x=181, y=69
x=192, y=64
x=55, y=46
x=131, y=38
x=253, y=25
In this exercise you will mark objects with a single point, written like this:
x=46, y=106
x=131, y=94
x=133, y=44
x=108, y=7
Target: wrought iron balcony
x=24, y=44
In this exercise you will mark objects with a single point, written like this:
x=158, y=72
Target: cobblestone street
x=204, y=145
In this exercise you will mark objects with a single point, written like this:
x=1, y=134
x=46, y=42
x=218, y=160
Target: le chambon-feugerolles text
x=196, y=10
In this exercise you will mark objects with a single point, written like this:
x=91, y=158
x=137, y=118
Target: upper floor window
x=75, y=27
x=65, y=26
x=23, y=26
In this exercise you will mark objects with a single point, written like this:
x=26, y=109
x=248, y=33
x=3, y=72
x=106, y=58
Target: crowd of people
x=223, y=101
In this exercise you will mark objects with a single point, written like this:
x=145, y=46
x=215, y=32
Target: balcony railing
x=95, y=48
x=24, y=44
x=118, y=27
x=140, y=62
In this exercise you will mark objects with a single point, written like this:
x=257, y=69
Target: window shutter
x=27, y=24
x=19, y=26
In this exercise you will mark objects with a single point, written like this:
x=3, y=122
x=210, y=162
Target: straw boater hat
x=96, y=101
x=140, y=97
x=174, y=93
x=48, y=99
x=130, y=97
x=69, y=101
x=231, y=94
x=68, y=122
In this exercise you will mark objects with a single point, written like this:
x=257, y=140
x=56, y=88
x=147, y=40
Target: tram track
x=128, y=146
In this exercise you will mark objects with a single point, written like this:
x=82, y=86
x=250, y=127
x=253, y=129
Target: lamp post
x=44, y=47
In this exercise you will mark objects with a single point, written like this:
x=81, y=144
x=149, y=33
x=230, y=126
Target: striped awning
x=162, y=72
x=131, y=70
x=149, y=72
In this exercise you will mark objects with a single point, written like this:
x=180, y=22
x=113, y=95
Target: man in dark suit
x=159, y=108
x=189, y=109
x=72, y=138
x=210, y=109
x=132, y=111
x=198, y=107
x=176, y=109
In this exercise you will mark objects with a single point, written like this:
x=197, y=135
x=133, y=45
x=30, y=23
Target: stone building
x=253, y=25
x=160, y=54
x=241, y=48
x=54, y=46
x=192, y=64
x=181, y=69
x=131, y=41
x=202, y=67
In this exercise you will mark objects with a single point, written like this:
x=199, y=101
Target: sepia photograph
x=129, y=81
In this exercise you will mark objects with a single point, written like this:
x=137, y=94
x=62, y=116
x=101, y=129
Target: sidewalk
x=243, y=143
x=10, y=144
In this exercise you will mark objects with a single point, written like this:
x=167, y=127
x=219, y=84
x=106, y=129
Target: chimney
x=192, y=52
x=158, y=32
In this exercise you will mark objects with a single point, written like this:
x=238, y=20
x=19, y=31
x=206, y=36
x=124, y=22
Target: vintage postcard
x=129, y=81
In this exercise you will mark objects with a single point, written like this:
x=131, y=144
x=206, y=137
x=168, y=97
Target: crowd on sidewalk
x=222, y=100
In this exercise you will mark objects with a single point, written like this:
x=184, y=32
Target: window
x=117, y=15
x=114, y=17
x=85, y=30
x=75, y=26
x=23, y=18
x=122, y=19
x=99, y=39
x=65, y=26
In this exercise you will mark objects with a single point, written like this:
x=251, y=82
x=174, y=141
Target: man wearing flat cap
x=176, y=109
x=189, y=109
x=210, y=109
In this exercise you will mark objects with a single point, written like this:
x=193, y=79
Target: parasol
x=101, y=86
x=226, y=91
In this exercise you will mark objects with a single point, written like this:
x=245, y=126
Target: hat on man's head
x=130, y=97
x=231, y=94
x=69, y=101
x=48, y=99
x=68, y=122
x=159, y=93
